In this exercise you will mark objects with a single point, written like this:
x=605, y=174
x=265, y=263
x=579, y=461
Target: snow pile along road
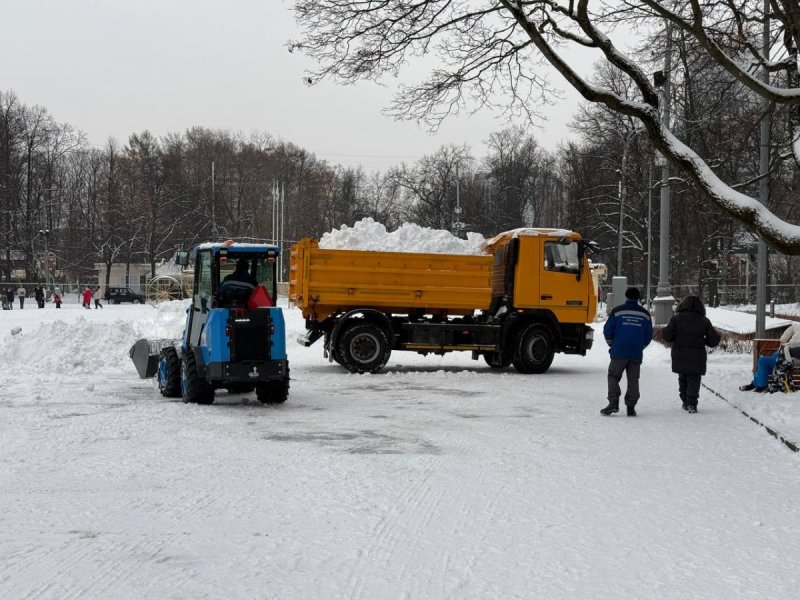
x=367, y=234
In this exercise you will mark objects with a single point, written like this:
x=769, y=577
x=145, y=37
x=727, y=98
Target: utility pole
x=664, y=300
x=213, y=205
x=763, y=188
x=46, y=234
x=649, y=230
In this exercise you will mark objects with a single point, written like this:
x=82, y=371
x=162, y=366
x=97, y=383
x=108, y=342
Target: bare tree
x=489, y=52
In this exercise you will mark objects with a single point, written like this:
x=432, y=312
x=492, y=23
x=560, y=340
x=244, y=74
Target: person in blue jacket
x=628, y=331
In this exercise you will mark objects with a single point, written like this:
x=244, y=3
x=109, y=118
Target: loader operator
x=238, y=286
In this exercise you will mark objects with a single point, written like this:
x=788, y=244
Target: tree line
x=139, y=201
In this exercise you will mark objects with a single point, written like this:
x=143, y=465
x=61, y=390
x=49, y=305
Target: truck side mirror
x=182, y=258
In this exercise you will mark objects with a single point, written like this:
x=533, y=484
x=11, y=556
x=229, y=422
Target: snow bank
x=85, y=345
x=369, y=235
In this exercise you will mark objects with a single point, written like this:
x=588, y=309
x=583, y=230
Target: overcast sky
x=114, y=67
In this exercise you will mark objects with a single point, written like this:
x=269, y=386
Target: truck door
x=559, y=287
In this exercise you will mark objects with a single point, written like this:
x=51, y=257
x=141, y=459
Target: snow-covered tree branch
x=490, y=53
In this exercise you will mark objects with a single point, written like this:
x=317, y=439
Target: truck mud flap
x=146, y=364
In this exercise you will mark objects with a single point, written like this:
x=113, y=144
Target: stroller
x=780, y=380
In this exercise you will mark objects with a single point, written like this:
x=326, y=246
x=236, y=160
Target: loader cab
x=213, y=263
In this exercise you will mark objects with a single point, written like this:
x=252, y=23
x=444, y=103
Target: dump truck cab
x=543, y=269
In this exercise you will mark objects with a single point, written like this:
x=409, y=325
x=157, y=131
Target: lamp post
x=46, y=234
x=664, y=300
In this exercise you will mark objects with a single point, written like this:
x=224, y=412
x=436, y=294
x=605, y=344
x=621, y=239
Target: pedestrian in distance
x=57, y=298
x=96, y=295
x=38, y=293
x=628, y=331
x=87, y=298
x=690, y=332
x=21, y=293
x=10, y=298
x=789, y=345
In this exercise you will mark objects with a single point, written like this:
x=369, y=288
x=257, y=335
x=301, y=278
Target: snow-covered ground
x=439, y=478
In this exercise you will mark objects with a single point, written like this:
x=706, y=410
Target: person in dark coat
x=10, y=298
x=690, y=332
x=38, y=293
x=628, y=331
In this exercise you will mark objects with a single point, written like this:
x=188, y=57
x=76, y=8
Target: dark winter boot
x=631, y=411
x=611, y=408
x=746, y=387
x=692, y=409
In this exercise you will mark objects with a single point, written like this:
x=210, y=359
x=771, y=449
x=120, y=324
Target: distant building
x=134, y=276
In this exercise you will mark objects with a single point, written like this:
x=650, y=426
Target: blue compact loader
x=234, y=337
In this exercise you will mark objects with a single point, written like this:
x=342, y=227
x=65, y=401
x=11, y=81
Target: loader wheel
x=193, y=387
x=363, y=348
x=497, y=360
x=533, y=352
x=169, y=373
x=273, y=392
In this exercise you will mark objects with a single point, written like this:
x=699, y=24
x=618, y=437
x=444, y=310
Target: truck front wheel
x=363, y=348
x=533, y=352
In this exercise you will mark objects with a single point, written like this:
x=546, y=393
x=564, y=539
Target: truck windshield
x=562, y=258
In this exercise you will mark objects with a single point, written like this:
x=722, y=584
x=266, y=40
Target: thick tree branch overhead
x=499, y=54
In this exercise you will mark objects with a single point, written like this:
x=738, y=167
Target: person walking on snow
x=38, y=293
x=57, y=298
x=21, y=293
x=690, y=332
x=628, y=331
x=97, y=297
x=790, y=344
x=87, y=297
x=10, y=298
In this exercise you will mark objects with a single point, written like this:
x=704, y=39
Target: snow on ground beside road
x=439, y=478
x=367, y=234
x=740, y=322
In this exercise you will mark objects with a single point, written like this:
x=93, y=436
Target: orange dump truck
x=527, y=297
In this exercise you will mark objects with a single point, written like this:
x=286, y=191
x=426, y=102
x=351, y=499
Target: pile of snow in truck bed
x=367, y=234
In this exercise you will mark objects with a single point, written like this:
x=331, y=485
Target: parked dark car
x=115, y=295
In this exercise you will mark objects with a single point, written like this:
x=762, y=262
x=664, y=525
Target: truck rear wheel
x=363, y=348
x=497, y=360
x=193, y=387
x=533, y=351
x=169, y=373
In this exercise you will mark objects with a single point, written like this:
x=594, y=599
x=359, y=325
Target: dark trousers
x=618, y=366
x=22, y=301
x=689, y=388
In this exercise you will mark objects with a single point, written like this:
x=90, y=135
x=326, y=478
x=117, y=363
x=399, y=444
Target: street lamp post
x=46, y=234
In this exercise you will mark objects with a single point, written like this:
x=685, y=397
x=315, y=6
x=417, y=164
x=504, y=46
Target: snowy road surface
x=437, y=479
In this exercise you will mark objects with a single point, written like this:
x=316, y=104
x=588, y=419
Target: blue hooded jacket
x=628, y=330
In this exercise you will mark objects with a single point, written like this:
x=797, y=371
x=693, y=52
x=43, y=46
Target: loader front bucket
x=144, y=359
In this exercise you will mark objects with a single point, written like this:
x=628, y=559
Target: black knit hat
x=632, y=293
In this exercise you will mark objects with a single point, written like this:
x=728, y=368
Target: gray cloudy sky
x=114, y=67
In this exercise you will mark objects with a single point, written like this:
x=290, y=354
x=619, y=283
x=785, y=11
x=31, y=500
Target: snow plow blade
x=145, y=355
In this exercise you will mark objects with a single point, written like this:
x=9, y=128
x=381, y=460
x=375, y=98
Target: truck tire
x=533, y=350
x=169, y=373
x=363, y=348
x=497, y=360
x=193, y=387
x=273, y=392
